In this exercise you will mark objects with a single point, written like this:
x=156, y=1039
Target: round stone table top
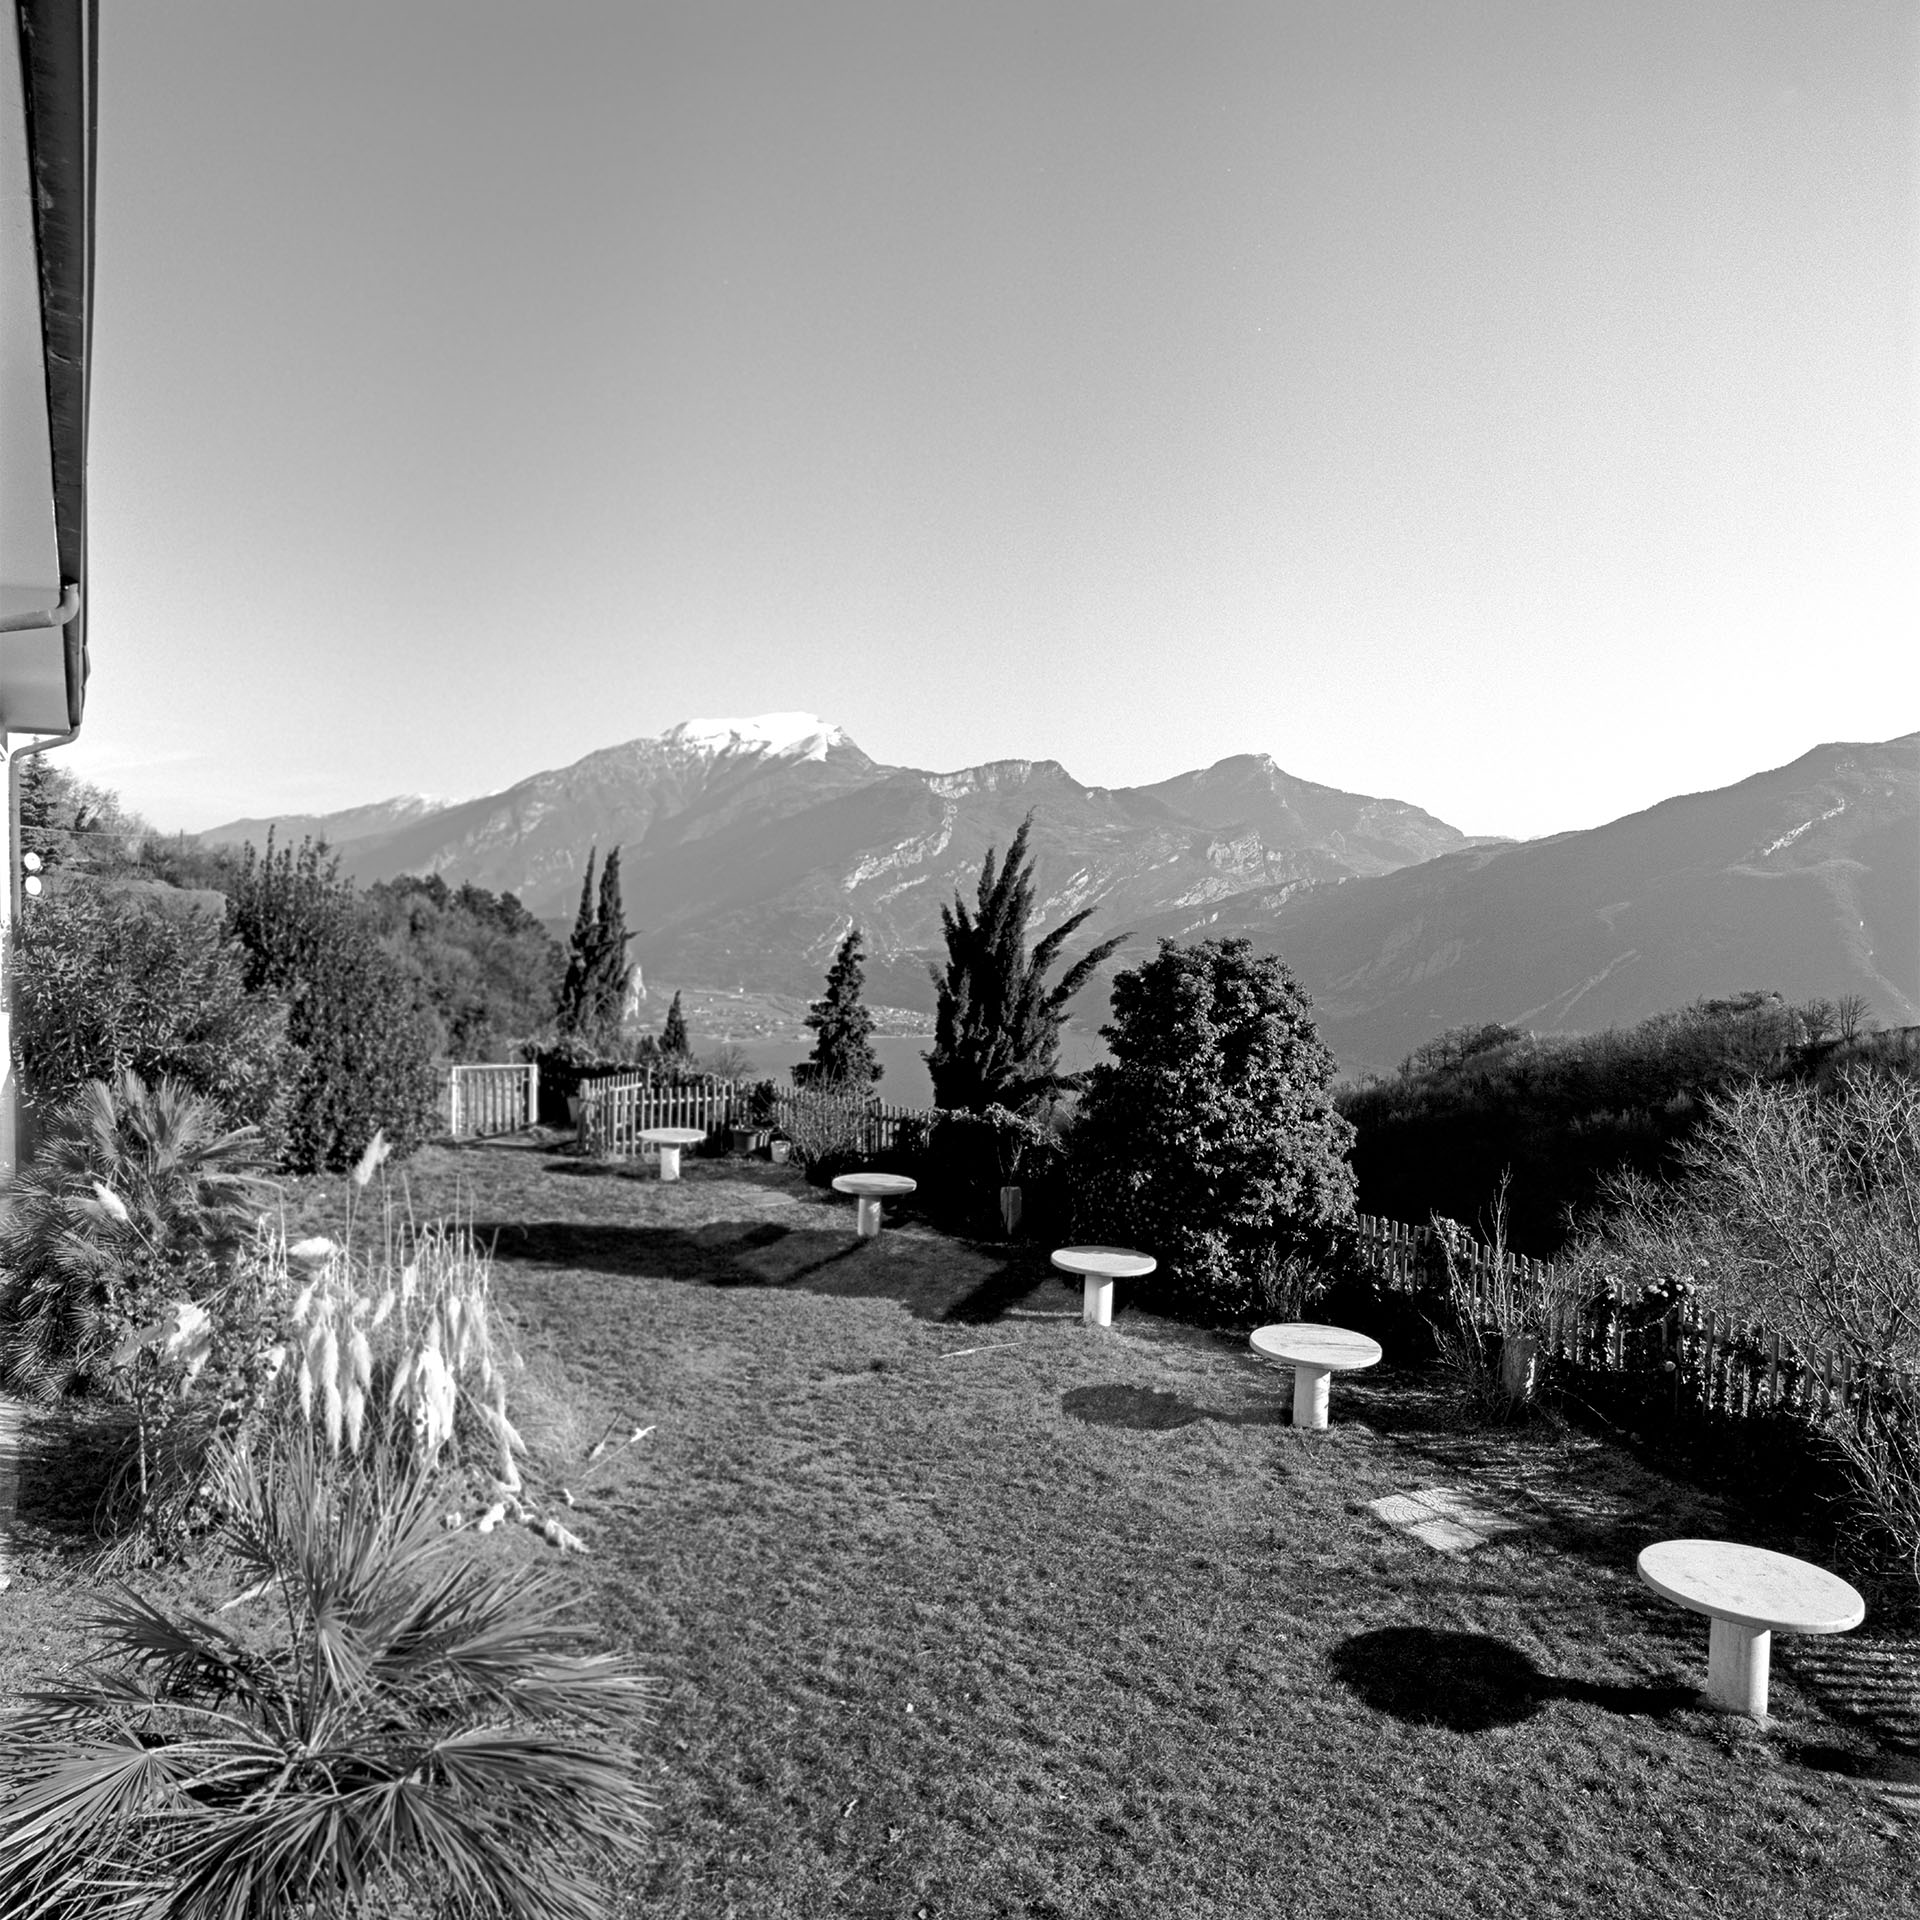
x=1104, y=1263
x=1751, y=1586
x=1305, y=1343
x=874, y=1186
x=673, y=1136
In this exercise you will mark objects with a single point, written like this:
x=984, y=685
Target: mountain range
x=749, y=847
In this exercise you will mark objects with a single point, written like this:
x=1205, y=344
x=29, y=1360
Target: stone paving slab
x=1448, y=1519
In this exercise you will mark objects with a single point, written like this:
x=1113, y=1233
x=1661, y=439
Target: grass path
x=966, y=1610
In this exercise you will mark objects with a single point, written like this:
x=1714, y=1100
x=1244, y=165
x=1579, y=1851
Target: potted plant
x=762, y=1107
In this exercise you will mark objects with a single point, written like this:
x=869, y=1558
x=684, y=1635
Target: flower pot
x=1520, y=1367
x=1010, y=1209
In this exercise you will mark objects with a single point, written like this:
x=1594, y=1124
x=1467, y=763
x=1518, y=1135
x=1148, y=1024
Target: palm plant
x=140, y=1194
x=408, y=1730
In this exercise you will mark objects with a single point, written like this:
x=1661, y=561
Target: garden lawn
x=965, y=1609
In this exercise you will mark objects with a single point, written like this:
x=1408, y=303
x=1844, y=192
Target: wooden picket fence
x=1705, y=1360
x=486, y=1100
x=615, y=1112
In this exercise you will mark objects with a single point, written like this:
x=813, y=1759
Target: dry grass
x=966, y=1610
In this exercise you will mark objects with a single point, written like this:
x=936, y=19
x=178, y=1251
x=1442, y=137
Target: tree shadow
x=1150, y=1410
x=1472, y=1682
x=934, y=1278
x=1141, y=1409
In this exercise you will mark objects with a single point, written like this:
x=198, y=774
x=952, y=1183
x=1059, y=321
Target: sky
x=1506, y=407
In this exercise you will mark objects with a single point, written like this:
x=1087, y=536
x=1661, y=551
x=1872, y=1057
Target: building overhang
x=48, y=79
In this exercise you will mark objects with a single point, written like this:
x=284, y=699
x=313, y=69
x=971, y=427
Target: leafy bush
x=1209, y=1139
x=487, y=970
x=363, y=1047
x=387, y=1725
x=107, y=981
x=1562, y=1113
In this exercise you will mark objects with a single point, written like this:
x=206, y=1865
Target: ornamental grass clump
x=396, y=1351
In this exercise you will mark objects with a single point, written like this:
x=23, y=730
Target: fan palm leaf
x=402, y=1723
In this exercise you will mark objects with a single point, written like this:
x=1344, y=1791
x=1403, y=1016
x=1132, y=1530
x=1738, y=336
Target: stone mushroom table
x=1750, y=1595
x=670, y=1140
x=1315, y=1353
x=1099, y=1268
x=870, y=1189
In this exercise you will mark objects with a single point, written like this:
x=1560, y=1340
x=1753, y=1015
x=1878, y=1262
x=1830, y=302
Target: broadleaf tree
x=842, y=1026
x=997, y=1022
x=1210, y=1138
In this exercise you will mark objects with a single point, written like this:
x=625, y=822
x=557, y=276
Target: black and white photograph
x=961, y=961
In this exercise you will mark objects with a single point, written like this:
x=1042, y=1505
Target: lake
x=904, y=1079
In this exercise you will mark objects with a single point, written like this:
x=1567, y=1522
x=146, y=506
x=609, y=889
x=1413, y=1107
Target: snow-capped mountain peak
x=803, y=736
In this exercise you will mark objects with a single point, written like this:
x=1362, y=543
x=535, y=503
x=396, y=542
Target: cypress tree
x=607, y=981
x=572, y=1012
x=842, y=1026
x=997, y=1023
x=674, y=1042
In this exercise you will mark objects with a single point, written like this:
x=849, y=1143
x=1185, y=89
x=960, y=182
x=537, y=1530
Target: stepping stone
x=1447, y=1519
x=1447, y=1536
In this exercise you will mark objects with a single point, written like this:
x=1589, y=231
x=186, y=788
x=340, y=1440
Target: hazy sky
x=1507, y=407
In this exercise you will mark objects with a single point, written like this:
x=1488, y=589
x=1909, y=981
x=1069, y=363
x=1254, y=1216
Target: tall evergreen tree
x=842, y=1026
x=607, y=982
x=997, y=1023
x=594, y=989
x=674, y=1042
x=572, y=1013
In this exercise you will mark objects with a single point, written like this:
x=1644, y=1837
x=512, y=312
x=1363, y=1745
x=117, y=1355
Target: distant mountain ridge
x=749, y=847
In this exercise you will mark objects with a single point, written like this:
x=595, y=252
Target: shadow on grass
x=1472, y=1682
x=69, y=1458
x=1147, y=1410
x=1140, y=1408
x=933, y=1277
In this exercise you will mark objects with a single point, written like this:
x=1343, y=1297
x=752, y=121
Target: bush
x=1563, y=1114
x=391, y=1726
x=105, y=982
x=362, y=1045
x=1800, y=1209
x=487, y=969
x=1209, y=1139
